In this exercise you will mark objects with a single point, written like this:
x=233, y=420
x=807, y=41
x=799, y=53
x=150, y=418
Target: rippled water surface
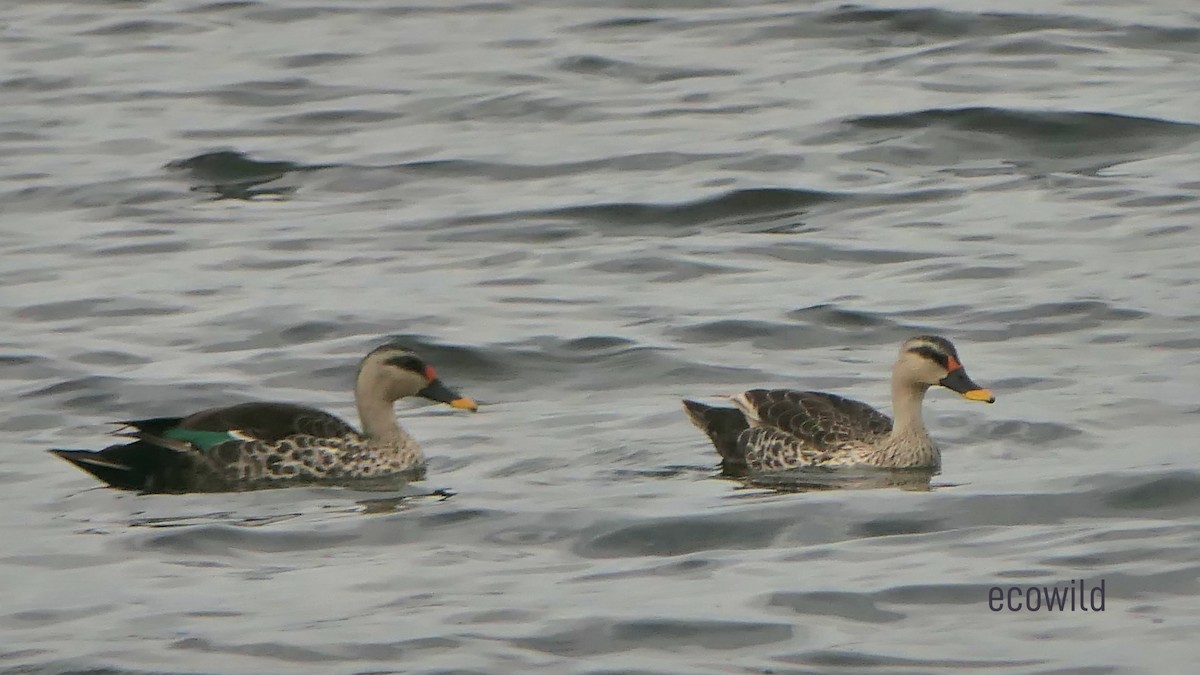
x=581, y=214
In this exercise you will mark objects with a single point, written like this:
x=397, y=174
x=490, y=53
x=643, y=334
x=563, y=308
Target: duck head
x=929, y=360
x=392, y=372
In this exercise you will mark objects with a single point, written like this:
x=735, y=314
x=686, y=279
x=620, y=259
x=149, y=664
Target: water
x=581, y=215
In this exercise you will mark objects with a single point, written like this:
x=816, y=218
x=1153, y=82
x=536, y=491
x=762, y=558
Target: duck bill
x=959, y=381
x=436, y=391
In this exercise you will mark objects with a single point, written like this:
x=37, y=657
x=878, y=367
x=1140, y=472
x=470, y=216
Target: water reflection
x=812, y=480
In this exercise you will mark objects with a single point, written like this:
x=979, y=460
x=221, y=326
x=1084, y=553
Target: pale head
x=392, y=372
x=929, y=360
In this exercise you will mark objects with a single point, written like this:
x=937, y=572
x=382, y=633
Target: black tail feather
x=140, y=466
x=113, y=473
x=155, y=425
x=723, y=426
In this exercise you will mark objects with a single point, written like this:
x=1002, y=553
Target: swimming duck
x=778, y=429
x=263, y=445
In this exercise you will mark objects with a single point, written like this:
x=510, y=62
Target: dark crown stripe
x=407, y=362
x=394, y=347
x=938, y=343
x=933, y=354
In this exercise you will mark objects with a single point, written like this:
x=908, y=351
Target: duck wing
x=776, y=429
x=821, y=422
x=220, y=449
x=258, y=444
x=270, y=422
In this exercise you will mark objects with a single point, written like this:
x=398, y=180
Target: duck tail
x=723, y=426
x=111, y=471
x=140, y=466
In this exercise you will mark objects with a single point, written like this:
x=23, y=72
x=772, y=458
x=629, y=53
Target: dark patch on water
x=852, y=606
x=591, y=638
x=1158, y=493
x=679, y=536
x=230, y=174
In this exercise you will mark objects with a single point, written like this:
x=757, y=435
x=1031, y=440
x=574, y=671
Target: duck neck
x=376, y=415
x=907, y=397
x=909, y=444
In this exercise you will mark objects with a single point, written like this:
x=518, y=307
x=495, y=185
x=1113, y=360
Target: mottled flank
x=237, y=464
x=252, y=446
x=773, y=430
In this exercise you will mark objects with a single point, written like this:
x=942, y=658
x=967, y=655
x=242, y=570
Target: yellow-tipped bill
x=957, y=380
x=464, y=404
x=980, y=395
x=436, y=391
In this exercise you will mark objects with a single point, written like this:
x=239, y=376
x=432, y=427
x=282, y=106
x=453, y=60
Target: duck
x=773, y=430
x=259, y=445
